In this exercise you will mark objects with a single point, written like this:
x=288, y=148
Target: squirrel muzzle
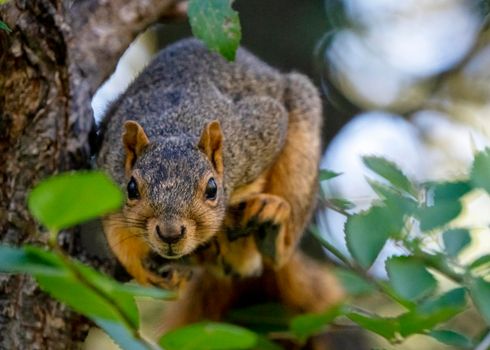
x=171, y=238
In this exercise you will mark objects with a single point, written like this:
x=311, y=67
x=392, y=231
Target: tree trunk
x=52, y=62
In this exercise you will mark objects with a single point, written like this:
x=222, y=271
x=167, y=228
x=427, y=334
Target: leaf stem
x=380, y=286
x=330, y=247
x=53, y=239
x=484, y=344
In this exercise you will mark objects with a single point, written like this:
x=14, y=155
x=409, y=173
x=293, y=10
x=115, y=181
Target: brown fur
x=302, y=285
x=190, y=117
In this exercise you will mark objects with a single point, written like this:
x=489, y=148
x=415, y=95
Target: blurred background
x=408, y=80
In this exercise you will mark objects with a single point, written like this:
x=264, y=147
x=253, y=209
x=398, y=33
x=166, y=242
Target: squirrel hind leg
x=205, y=297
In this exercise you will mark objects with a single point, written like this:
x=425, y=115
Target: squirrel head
x=175, y=193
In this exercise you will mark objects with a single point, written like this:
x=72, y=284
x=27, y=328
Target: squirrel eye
x=133, y=192
x=211, y=189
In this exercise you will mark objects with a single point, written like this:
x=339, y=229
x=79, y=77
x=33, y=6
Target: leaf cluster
x=417, y=217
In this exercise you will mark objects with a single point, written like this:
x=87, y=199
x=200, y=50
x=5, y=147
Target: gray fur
x=181, y=90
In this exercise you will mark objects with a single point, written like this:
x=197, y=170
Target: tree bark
x=51, y=64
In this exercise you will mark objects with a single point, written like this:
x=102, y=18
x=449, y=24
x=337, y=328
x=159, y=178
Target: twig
x=484, y=344
x=382, y=287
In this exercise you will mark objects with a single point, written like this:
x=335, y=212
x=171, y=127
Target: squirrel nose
x=172, y=235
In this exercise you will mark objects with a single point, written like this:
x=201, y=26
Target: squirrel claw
x=173, y=281
x=265, y=207
x=167, y=277
x=269, y=215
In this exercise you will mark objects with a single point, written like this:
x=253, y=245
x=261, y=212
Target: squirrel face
x=174, y=207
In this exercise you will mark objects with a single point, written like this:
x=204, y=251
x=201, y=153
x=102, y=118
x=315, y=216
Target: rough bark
x=52, y=62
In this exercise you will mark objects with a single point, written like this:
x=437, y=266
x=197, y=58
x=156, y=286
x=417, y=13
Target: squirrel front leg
x=267, y=215
x=254, y=232
x=132, y=251
x=293, y=176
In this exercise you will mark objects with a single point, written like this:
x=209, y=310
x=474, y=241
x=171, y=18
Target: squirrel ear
x=211, y=143
x=135, y=140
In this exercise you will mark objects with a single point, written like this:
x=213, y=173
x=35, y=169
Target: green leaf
x=398, y=203
x=306, y=325
x=68, y=283
x=78, y=296
x=209, y=336
x=68, y=199
x=340, y=203
x=382, y=190
x=480, y=171
x=352, y=283
x=480, y=292
x=389, y=171
x=140, y=291
x=86, y=290
x=445, y=206
x=438, y=215
x=215, y=23
x=265, y=344
x=481, y=261
x=455, y=299
x=117, y=293
x=263, y=318
x=399, y=207
x=452, y=338
x=449, y=191
x=367, y=232
x=109, y=303
x=17, y=260
x=455, y=240
x=409, y=277
x=326, y=174
x=121, y=335
x=386, y=327
x=432, y=312
x=54, y=276
x=4, y=26
x=421, y=319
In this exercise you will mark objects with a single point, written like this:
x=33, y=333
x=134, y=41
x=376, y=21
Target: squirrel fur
x=219, y=160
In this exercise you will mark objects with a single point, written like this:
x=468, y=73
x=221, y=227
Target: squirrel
x=219, y=161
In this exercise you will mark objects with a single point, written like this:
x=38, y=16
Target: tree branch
x=101, y=30
x=57, y=55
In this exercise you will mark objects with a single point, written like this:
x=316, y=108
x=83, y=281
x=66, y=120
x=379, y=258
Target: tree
x=56, y=56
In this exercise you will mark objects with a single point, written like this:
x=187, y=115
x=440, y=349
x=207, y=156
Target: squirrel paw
x=173, y=277
x=162, y=274
x=240, y=258
x=264, y=207
x=269, y=215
